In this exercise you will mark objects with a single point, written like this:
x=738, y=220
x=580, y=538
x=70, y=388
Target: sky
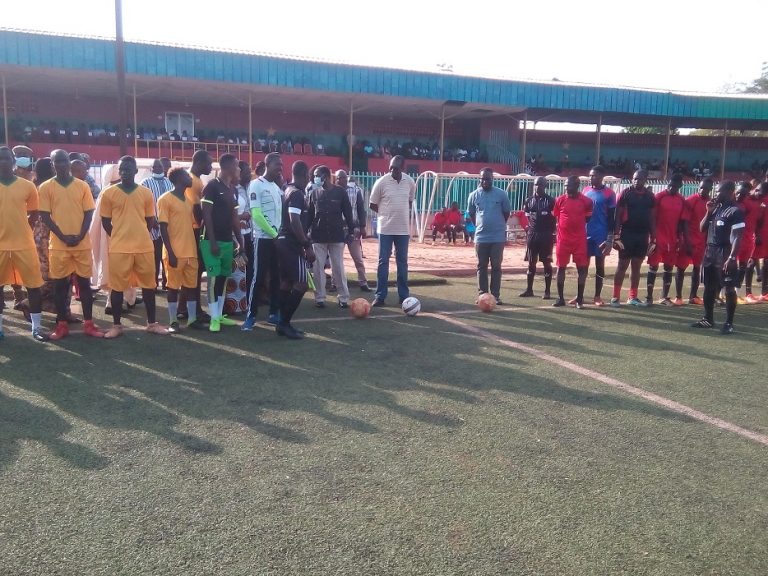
x=666, y=45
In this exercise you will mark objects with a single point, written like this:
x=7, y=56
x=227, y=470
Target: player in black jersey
x=724, y=224
x=540, y=235
x=294, y=251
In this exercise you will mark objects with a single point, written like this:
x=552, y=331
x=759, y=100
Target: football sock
x=191, y=310
x=173, y=308
x=730, y=305
x=667, y=280
x=695, y=280
x=35, y=316
x=679, y=278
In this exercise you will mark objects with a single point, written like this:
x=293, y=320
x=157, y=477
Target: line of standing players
x=722, y=239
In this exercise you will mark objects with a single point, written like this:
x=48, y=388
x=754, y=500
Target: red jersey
x=695, y=209
x=454, y=218
x=439, y=220
x=762, y=231
x=669, y=213
x=572, y=215
x=751, y=208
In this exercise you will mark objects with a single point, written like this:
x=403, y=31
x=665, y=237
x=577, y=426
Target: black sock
x=61, y=292
x=695, y=281
x=667, y=280
x=294, y=301
x=730, y=305
x=116, y=301
x=86, y=297
x=285, y=306
x=651, y=280
x=748, y=279
x=531, y=276
x=679, y=278
x=709, y=302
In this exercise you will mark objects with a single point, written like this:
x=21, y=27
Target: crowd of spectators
x=418, y=151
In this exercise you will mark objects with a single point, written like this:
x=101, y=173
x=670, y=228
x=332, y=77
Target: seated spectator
x=454, y=223
x=469, y=229
x=439, y=224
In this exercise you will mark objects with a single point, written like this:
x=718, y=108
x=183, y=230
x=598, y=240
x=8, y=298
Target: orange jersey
x=195, y=193
x=67, y=206
x=128, y=211
x=17, y=198
x=177, y=214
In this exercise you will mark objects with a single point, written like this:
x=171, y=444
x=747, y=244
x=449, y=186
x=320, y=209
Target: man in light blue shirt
x=489, y=210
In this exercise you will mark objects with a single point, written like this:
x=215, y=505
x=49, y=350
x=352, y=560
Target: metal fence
x=436, y=191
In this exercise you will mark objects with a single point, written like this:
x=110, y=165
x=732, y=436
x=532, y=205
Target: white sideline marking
x=628, y=388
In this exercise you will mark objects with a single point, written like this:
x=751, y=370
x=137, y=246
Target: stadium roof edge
x=551, y=100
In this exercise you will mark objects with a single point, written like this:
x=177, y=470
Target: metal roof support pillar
x=442, y=137
x=523, y=152
x=120, y=68
x=5, y=114
x=135, y=126
x=666, y=149
x=597, y=143
x=250, y=130
x=351, y=137
x=722, y=156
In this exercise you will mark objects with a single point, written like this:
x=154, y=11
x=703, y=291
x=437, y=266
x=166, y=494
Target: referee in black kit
x=540, y=236
x=724, y=224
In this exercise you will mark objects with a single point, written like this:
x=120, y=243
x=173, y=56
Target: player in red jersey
x=695, y=209
x=761, y=237
x=750, y=206
x=671, y=225
x=572, y=211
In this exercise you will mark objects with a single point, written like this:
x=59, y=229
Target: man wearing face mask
x=159, y=184
x=329, y=208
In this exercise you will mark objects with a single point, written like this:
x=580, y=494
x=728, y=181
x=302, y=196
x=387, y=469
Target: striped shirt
x=158, y=187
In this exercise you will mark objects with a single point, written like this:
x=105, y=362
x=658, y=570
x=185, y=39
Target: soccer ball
x=486, y=302
x=411, y=306
x=360, y=307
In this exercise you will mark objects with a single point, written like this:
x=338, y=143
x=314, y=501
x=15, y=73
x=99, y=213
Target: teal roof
x=555, y=101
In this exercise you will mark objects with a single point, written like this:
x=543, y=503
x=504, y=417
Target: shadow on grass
x=22, y=421
x=418, y=369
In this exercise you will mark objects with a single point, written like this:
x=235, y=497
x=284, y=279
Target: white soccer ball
x=411, y=306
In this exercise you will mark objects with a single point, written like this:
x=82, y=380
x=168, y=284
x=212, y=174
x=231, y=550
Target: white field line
x=613, y=382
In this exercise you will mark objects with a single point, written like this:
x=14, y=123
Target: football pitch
x=530, y=440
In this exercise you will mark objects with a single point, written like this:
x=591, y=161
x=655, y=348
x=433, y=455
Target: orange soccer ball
x=360, y=307
x=486, y=302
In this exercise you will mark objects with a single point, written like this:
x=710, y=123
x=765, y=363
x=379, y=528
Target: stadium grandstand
x=61, y=91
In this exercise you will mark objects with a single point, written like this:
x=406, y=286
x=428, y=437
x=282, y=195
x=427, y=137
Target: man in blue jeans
x=489, y=209
x=391, y=198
